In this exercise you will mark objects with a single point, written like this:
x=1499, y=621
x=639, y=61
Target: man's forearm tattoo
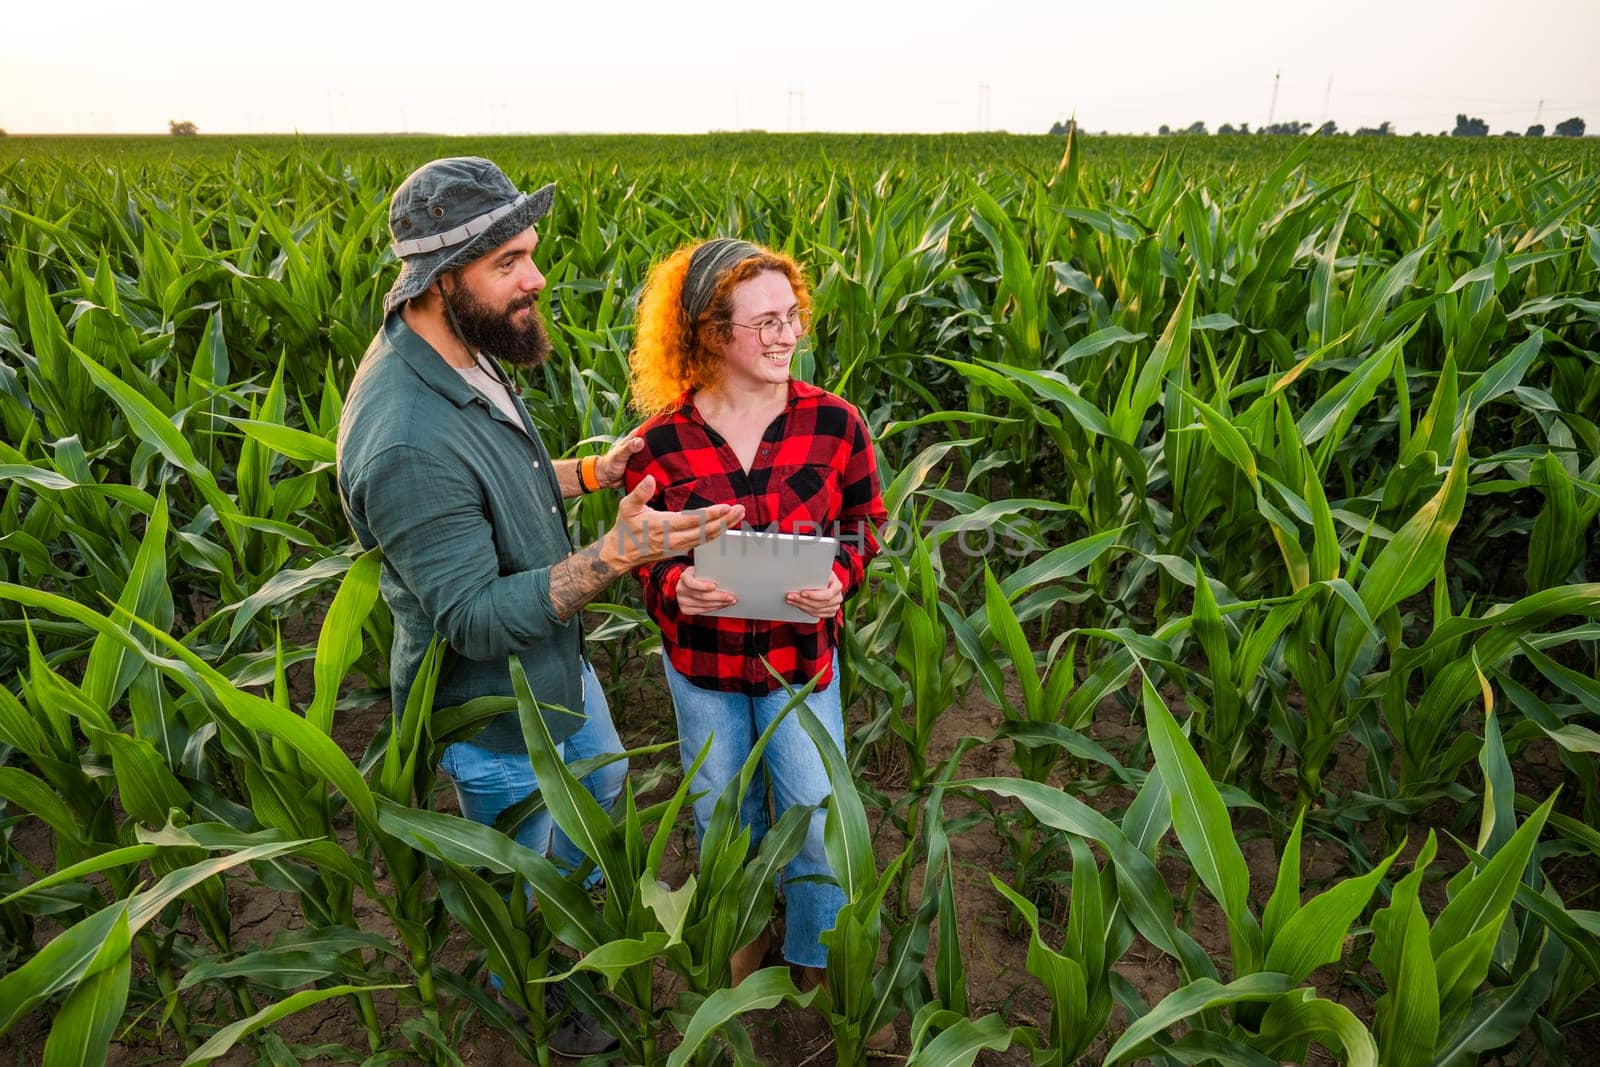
x=578, y=579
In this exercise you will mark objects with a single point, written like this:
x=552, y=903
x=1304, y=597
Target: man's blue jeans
x=488, y=783
x=734, y=722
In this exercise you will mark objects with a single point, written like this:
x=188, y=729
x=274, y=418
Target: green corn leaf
x=119, y=857
x=314, y=747
x=572, y=807
x=1325, y=312
x=1201, y=821
x=959, y=1044
x=1396, y=280
x=1407, y=1015
x=671, y=906
x=1284, y=903
x=339, y=641
x=566, y=908
x=1090, y=921
x=781, y=844
x=1504, y=376
x=1226, y=438
x=1483, y=901
x=616, y=958
x=1171, y=351
x=1201, y=995
x=1303, y=1016
x=1462, y=968
x=156, y=430
x=281, y=588
x=1408, y=562
x=147, y=594
x=30, y=793
x=297, y=445
x=82, y=1032
x=761, y=991
x=1008, y=633
x=281, y=968
x=1063, y=562
x=1314, y=935
x=1556, y=545
x=68, y=956
x=148, y=790
x=1499, y=789
x=1212, y=634
x=911, y=477
x=846, y=837
x=1330, y=417
x=949, y=971
x=494, y=924
x=1494, y=1021
x=1143, y=892
x=224, y=1039
x=250, y=711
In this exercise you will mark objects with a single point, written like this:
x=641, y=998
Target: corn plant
x=1078, y=977
x=1434, y=1010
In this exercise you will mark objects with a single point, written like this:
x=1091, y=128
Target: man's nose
x=532, y=279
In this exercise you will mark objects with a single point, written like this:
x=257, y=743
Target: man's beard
x=495, y=333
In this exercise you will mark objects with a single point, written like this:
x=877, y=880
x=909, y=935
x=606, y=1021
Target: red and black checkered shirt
x=814, y=472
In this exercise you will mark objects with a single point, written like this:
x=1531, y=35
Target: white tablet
x=761, y=568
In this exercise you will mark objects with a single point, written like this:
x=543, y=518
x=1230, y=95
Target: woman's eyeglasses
x=770, y=331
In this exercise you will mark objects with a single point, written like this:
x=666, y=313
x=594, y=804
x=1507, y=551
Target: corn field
x=1240, y=595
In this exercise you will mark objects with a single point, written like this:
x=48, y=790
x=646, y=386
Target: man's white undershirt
x=492, y=390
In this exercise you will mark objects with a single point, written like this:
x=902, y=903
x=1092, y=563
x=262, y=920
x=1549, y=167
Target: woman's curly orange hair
x=672, y=354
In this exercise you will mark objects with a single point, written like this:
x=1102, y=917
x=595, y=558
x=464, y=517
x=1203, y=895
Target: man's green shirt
x=467, y=511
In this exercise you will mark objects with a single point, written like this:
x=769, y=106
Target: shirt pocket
x=701, y=491
x=806, y=496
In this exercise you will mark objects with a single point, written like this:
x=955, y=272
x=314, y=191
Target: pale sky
x=117, y=66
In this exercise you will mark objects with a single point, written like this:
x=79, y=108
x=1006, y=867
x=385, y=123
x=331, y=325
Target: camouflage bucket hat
x=448, y=213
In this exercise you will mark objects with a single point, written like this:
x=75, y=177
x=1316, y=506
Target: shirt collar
x=426, y=363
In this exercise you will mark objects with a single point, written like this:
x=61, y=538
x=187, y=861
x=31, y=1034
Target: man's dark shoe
x=578, y=1034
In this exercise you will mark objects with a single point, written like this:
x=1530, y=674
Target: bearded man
x=441, y=468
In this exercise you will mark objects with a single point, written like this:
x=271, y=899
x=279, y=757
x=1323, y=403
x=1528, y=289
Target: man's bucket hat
x=448, y=213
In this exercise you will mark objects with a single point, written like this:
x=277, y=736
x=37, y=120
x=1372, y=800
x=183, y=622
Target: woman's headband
x=707, y=266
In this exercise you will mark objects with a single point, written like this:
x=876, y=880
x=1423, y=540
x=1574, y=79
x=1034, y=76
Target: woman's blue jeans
x=791, y=762
x=488, y=783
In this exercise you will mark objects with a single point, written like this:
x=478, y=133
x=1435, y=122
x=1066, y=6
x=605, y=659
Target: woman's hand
x=697, y=595
x=822, y=603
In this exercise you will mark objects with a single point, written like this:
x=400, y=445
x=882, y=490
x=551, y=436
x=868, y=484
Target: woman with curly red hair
x=719, y=324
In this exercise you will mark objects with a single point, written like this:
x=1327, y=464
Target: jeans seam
x=505, y=781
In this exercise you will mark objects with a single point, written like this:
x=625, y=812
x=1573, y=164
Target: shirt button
x=535, y=464
x=553, y=509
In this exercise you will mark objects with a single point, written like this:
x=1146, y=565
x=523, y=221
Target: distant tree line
x=1470, y=126
x=1466, y=126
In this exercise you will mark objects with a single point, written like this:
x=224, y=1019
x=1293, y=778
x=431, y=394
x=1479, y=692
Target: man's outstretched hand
x=644, y=535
